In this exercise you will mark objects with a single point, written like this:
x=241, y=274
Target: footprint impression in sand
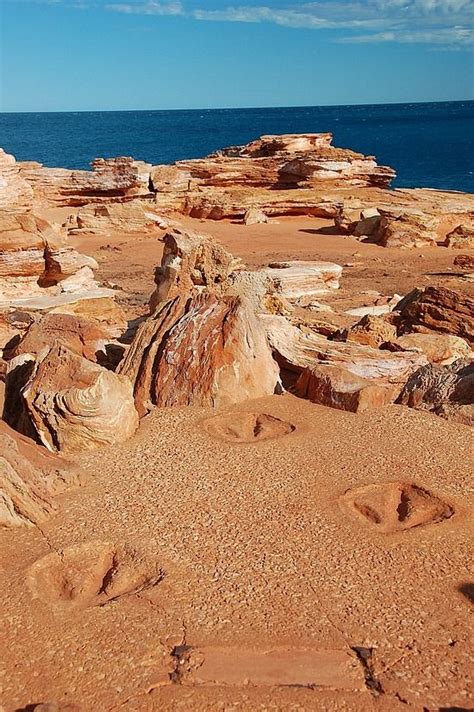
x=92, y=574
x=396, y=506
x=238, y=427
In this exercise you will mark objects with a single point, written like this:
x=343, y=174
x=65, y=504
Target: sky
x=87, y=55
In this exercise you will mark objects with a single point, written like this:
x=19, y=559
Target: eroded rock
x=68, y=403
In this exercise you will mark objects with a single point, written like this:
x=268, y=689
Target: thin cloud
x=148, y=8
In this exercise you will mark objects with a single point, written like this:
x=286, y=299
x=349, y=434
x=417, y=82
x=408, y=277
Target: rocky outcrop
x=337, y=367
x=293, y=280
x=465, y=262
x=437, y=309
x=371, y=331
x=111, y=180
x=205, y=350
x=136, y=216
x=29, y=479
x=82, y=336
x=15, y=192
x=406, y=228
x=441, y=349
x=291, y=160
x=66, y=402
x=191, y=264
x=38, y=268
x=445, y=391
x=337, y=387
x=461, y=238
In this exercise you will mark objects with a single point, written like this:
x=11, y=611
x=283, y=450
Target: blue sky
x=72, y=55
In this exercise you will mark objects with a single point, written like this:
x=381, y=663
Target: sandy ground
x=262, y=556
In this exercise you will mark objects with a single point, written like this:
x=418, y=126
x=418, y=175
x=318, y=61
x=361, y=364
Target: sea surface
x=429, y=145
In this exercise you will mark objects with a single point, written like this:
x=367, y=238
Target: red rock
x=68, y=403
x=447, y=391
x=200, y=351
x=372, y=331
x=29, y=479
x=336, y=387
x=406, y=228
x=461, y=238
x=83, y=336
x=437, y=309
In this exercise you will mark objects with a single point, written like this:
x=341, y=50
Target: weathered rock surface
x=111, y=180
x=337, y=387
x=446, y=391
x=29, y=479
x=465, y=262
x=82, y=336
x=339, y=368
x=200, y=351
x=372, y=331
x=442, y=349
x=293, y=280
x=15, y=192
x=254, y=216
x=136, y=216
x=437, y=309
x=406, y=229
x=461, y=238
x=68, y=403
x=191, y=264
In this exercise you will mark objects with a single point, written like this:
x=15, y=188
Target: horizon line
x=242, y=108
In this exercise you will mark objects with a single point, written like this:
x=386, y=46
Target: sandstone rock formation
x=135, y=216
x=15, y=192
x=442, y=349
x=446, y=391
x=372, y=331
x=29, y=479
x=437, y=309
x=40, y=271
x=341, y=375
x=82, y=336
x=338, y=387
x=111, y=180
x=66, y=402
x=200, y=351
x=293, y=280
x=255, y=216
x=407, y=228
x=461, y=238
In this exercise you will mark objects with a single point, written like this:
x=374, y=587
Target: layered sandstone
x=204, y=350
x=29, y=479
x=111, y=180
x=66, y=402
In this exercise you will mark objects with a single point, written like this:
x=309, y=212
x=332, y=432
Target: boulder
x=337, y=387
x=441, y=349
x=299, y=350
x=255, y=216
x=447, y=391
x=461, y=238
x=82, y=336
x=15, y=192
x=406, y=228
x=371, y=331
x=465, y=262
x=204, y=350
x=437, y=309
x=66, y=402
x=136, y=216
x=296, y=279
x=30, y=476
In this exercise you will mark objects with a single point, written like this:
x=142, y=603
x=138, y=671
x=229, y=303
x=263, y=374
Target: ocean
x=429, y=145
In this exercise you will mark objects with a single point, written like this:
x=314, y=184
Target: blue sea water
x=430, y=145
